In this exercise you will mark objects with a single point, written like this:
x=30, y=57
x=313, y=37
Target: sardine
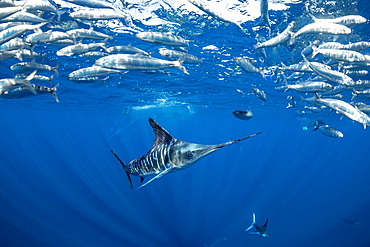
x=15, y=31
x=125, y=49
x=176, y=55
x=31, y=66
x=248, y=67
x=318, y=27
x=137, y=62
x=279, y=39
x=162, y=39
x=93, y=71
x=331, y=75
x=259, y=94
x=345, y=109
x=348, y=20
x=310, y=87
x=87, y=34
x=9, y=84
x=78, y=49
x=343, y=55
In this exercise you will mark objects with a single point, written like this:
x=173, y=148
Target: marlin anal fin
x=123, y=166
x=161, y=135
x=157, y=176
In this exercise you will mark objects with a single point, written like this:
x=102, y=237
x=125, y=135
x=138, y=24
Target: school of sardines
x=326, y=69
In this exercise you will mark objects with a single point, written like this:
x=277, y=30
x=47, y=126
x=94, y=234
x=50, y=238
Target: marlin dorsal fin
x=161, y=135
x=265, y=225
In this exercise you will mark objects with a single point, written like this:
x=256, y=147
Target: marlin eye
x=189, y=154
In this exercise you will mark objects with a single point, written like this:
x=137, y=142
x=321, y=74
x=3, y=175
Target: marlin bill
x=168, y=154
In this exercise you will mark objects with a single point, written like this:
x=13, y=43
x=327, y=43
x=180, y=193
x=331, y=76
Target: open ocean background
x=61, y=186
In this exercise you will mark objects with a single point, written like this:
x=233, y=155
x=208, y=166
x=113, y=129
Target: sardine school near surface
x=327, y=56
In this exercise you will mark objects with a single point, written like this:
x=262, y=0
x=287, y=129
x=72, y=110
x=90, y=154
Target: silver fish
x=15, y=31
x=264, y=9
x=343, y=55
x=78, y=49
x=318, y=27
x=248, y=67
x=97, y=14
x=331, y=75
x=31, y=66
x=5, y=12
x=92, y=72
x=88, y=34
x=93, y=3
x=23, y=16
x=9, y=84
x=357, y=46
x=162, y=39
x=14, y=44
x=327, y=130
x=23, y=91
x=348, y=20
x=137, y=62
x=310, y=87
x=345, y=109
x=313, y=109
x=259, y=94
x=44, y=37
x=179, y=55
x=279, y=39
x=126, y=49
x=202, y=5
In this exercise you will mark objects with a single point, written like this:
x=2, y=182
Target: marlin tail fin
x=123, y=166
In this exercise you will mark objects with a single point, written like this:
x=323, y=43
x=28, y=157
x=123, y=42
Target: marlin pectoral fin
x=157, y=176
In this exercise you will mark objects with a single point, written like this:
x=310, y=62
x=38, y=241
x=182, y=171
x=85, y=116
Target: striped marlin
x=167, y=155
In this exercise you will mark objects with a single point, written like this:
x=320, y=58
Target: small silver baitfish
x=327, y=130
x=259, y=94
x=92, y=72
x=162, y=39
x=78, y=49
x=279, y=39
x=310, y=87
x=9, y=84
x=179, y=55
x=329, y=74
x=137, y=62
x=318, y=27
x=248, y=67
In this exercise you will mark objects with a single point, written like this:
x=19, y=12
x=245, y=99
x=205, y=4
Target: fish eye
x=189, y=154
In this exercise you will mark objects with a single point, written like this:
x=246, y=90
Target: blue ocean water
x=61, y=186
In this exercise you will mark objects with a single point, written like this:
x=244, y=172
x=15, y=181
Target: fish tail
x=254, y=222
x=178, y=64
x=55, y=69
x=55, y=88
x=123, y=166
x=315, y=51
